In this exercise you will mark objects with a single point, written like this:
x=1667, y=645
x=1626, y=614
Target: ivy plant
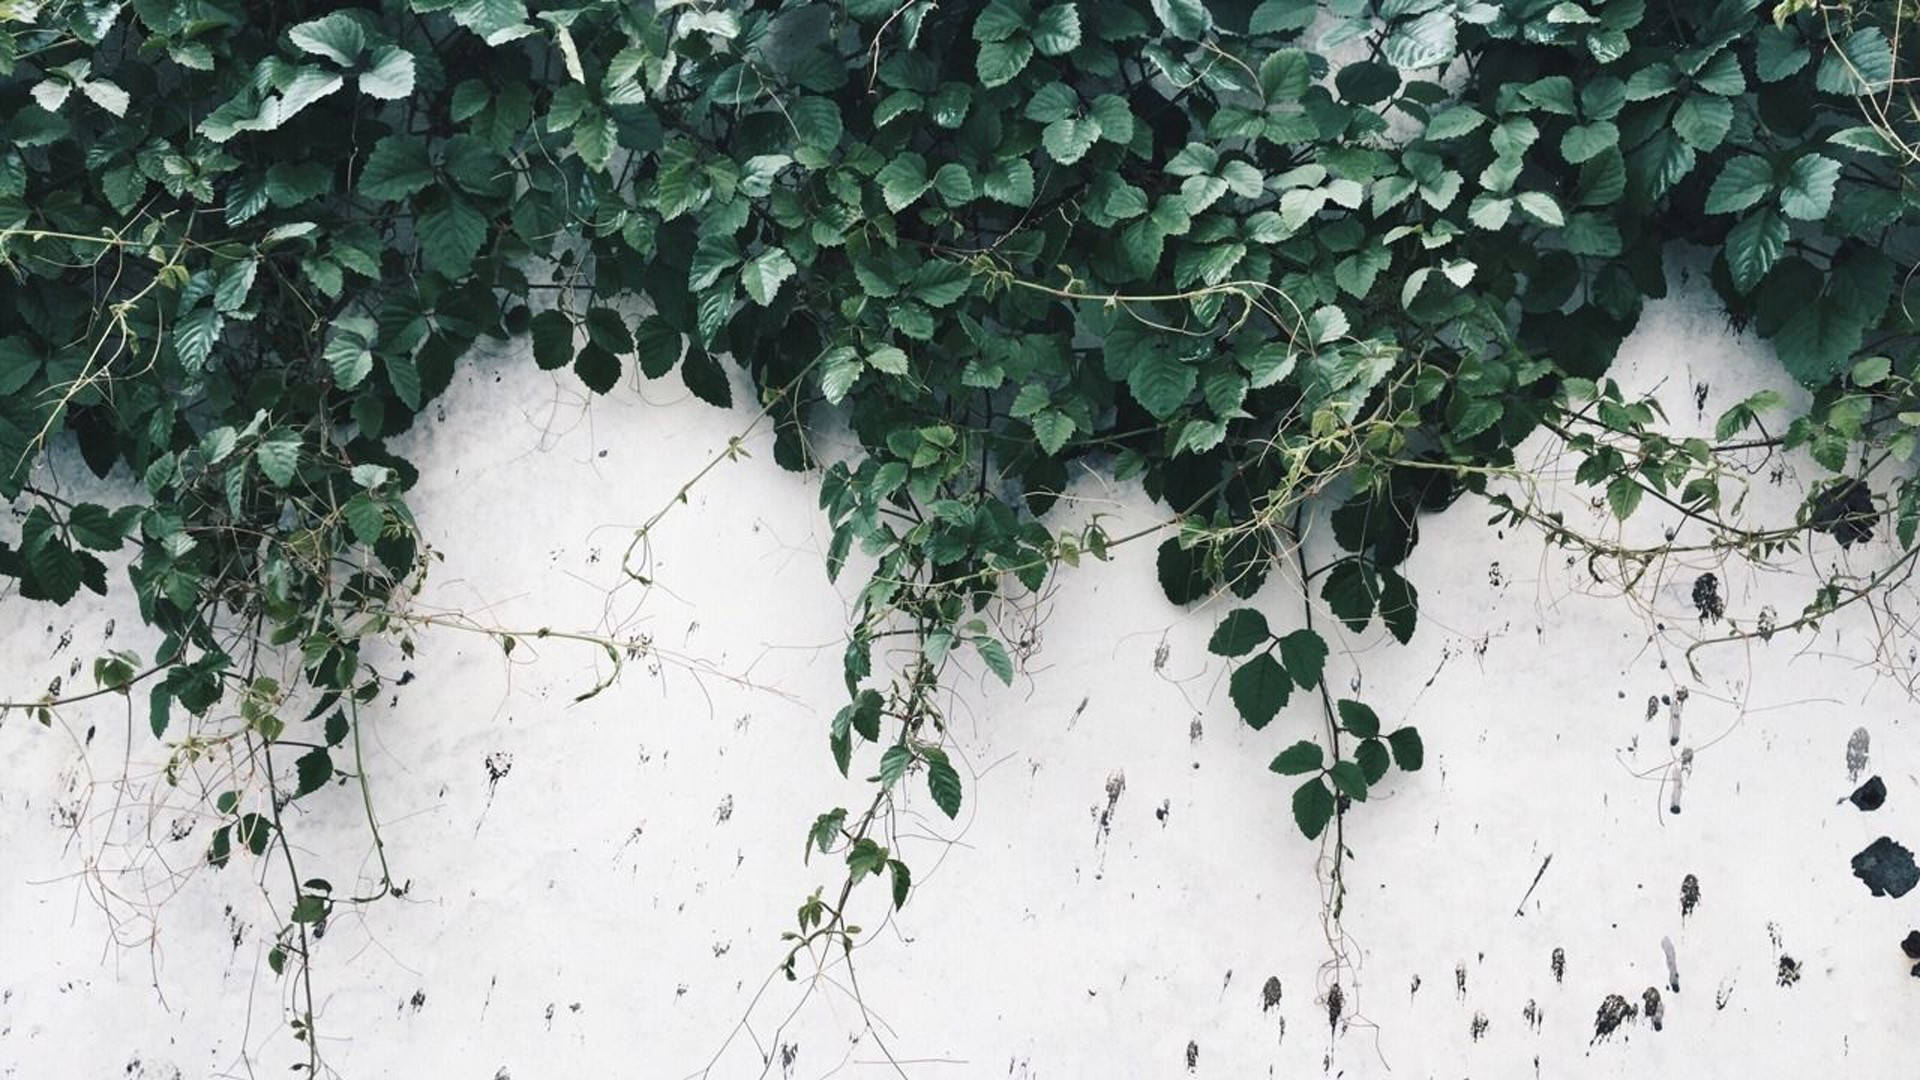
x=1280, y=263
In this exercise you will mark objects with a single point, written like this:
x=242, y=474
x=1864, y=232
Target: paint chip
x=1887, y=868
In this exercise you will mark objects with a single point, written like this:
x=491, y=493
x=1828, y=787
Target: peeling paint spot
x=1887, y=868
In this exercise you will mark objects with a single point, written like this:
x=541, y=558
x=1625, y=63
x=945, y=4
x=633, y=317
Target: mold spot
x=1869, y=796
x=1689, y=895
x=1887, y=868
x=1559, y=964
x=1270, y=991
x=1911, y=945
x=1532, y=1015
x=1478, y=1027
x=1460, y=979
x=1193, y=1055
x=1336, y=1003
x=1650, y=1005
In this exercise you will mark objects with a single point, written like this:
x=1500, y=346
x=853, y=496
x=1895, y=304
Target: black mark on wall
x=1689, y=895
x=1613, y=1012
x=1869, y=796
x=1559, y=964
x=1887, y=867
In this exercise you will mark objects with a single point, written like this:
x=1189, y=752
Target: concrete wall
x=598, y=889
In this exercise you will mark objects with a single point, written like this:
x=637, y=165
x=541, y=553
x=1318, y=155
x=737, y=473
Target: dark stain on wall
x=1655, y=1011
x=1614, y=1012
x=1788, y=972
x=1857, y=746
x=1887, y=868
x=1689, y=895
x=1869, y=796
x=1193, y=1055
x=1270, y=993
x=1559, y=964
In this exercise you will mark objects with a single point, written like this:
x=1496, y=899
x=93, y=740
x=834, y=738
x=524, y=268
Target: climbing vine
x=1289, y=265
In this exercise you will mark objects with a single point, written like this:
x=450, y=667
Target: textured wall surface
x=598, y=889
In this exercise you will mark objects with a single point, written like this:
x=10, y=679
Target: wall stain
x=1336, y=1002
x=1270, y=992
x=1673, y=965
x=1650, y=1005
x=1533, y=1015
x=1614, y=1011
x=1460, y=979
x=1103, y=818
x=1869, y=796
x=1477, y=1029
x=1788, y=972
x=1857, y=747
x=1193, y=1055
x=1887, y=868
x=1689, y=895
x=1559, y=965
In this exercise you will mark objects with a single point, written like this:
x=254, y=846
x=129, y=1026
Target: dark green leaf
x=1260, y=689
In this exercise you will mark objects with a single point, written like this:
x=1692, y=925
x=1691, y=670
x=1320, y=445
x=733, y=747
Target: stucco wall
x=598, y=889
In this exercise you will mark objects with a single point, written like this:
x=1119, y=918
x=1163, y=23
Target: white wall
x=611, y=905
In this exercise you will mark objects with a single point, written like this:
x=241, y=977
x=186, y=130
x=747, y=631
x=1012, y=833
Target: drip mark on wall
x=1650, y=1005
x=1673, y=965
x=1532, y=1015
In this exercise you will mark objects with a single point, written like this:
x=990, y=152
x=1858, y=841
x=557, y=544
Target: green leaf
x=816, y=122
x=999, y=61
x=397, y=167
x=1056, y=30
x=1585, y=141
x=1068, y=139
x=1371, y=755
x=278, y=456
x=1001, y=19
x=1161, y=382
x=597, y=367
x=1349, y=593
x=1753, y=247
x=1744, y=181
x=1010, y=181
x=1299, y=759
x=312, y=771
x=902, y=882
x=944, y=784
x=552, y=333
x=889, y=359
x=1188, y=19
x=1808, y=191
x=1260, y=689
x=1408, y=753
x=93, y=527
x=1052, y=429
x=995, y=655
x=1242, y=631
x=1304, y=653
x=389, y=75
x=1313, y=807
x=348, y=352
x=1819, y=339
x=1623, y=496
x=954, y=183
x=1399, y=605
x=1357, y=718
x=1702, y=121
x=307, y=909
x=336, y=36
x=1349, y=779
x=903, y=180
x=763, y=276
x=1863, y=64
x=451, y=234
x=1541, y=207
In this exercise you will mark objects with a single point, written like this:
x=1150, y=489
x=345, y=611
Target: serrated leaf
x=1744, y=181
x=999, y=61
x=278, y=457
x=1313, y=807
x=1349, y=593
x=1010, y=181
x=995, y=655
x=1302, y=757
x=1408, y=752
x=1304, y=654
x=451, y=235
x=598, y=367
x=1239, y=633
x=1357, y=718
x=1753, y=247
x=1068, y=139
x=903, y=180
x=943, y=782
x=1056, y=30
x=1260, y=689
x=1161, y=382
x=1807, y=193
x=763, y=276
